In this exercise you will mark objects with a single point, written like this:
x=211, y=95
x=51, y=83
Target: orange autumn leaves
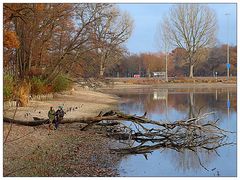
x=10, y=39
x=40, y=7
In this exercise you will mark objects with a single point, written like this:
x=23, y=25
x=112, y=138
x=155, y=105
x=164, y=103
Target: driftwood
x=87, y=120
x=197, y=132
x=149, y=134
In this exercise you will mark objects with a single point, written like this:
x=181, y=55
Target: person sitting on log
x=59, y=116
x=51, y=116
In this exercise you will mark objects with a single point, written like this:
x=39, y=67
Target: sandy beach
x=67, y=151
x=84, y=102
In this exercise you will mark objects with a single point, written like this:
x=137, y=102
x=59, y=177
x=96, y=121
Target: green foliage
x=37, y=86
x=8, y=87
x=61, y=83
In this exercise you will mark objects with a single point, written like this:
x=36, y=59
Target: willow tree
x=191, y=27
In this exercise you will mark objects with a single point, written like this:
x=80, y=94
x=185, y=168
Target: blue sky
x=147, y=18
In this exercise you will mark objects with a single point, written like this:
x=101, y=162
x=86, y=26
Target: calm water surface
x=177, y=104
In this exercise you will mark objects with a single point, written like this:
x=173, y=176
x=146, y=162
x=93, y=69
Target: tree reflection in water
x=188, y=160
x=188, y=150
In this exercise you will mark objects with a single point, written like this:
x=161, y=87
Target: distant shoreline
x=180, y=82
x=120, y=85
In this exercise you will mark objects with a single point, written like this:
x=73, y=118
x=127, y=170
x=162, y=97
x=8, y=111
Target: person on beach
x=59, y=116
x=51, y=116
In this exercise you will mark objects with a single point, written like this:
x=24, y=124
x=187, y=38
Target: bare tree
x=165, y=44
x=109, y=34
x=191, y=27
x=99, y=28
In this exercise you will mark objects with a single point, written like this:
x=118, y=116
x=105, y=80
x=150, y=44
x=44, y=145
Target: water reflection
x=163, y=102
x=189, y=160
x=171, y=105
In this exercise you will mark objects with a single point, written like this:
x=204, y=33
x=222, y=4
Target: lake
x=177, y=104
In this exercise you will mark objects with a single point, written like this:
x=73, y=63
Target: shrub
x=8, y=87
x=61, y=83
x=23, y=89
x=48, y=89
x=37, y=85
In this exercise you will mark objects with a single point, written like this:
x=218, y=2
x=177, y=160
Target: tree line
x=88, y=40
x=46, y=40
x=187, y=38
x=212, y=63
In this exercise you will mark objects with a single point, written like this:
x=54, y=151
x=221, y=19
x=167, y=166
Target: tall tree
x=191, y=27
x=54, y=38
x=153, y=62
x=109, y=34
x=34, y=25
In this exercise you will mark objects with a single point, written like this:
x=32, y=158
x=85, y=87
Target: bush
x=48, y=89
x=61, y=83
x=23, y=90
x=37, y=85
x=8, y=87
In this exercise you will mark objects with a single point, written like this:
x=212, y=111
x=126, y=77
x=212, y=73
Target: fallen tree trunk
x=87, y=120
x=189, y=133
x=25, y=123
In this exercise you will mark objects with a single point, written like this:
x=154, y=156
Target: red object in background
x=136, y=76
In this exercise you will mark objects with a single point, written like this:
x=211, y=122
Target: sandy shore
x=84, y=103
x=67, y=151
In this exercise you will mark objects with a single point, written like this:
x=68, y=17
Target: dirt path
x=65, y=152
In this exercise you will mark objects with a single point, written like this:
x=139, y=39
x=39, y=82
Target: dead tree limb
x=87, y=120
x=189, y=133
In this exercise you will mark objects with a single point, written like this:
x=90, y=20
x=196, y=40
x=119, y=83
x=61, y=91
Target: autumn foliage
x=43, y=41
x=211, y=60
x=10, y=40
